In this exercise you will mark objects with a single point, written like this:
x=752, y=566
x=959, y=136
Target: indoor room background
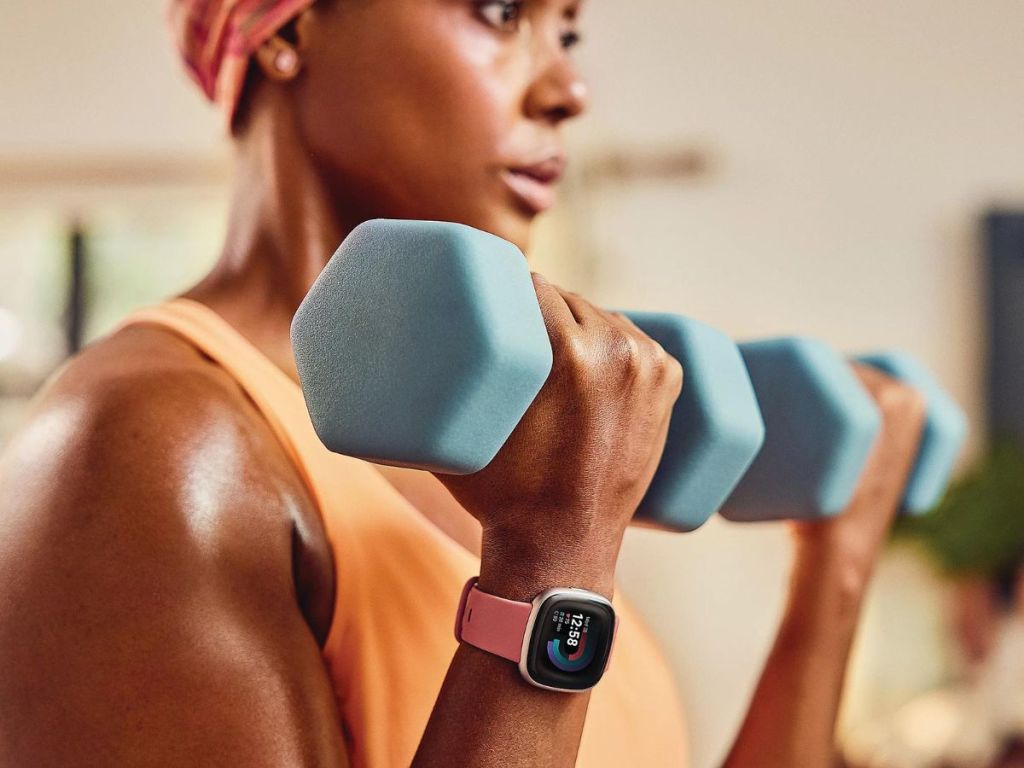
x=806, y=166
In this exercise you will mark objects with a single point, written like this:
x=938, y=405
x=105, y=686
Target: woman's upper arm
x=147, y=608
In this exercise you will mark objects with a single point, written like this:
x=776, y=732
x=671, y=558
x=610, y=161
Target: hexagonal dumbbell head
x=716, y=427
x=421, y=344
x=820, y=426
x=944, y=432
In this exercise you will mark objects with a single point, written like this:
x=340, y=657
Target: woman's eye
x=501, y=14
x=571, y=39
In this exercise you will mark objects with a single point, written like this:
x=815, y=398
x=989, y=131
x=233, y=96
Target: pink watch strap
x=492, y=623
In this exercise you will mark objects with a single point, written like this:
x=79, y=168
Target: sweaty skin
x=144, y=472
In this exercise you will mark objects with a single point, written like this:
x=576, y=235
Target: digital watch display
x=569, y=642
x=562, y=640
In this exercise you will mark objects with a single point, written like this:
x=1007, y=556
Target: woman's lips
x=534, y=185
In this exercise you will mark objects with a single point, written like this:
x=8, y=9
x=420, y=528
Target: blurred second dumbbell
x=821, y=426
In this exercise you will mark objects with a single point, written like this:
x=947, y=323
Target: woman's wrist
x=846, y=546
x=827, y=586
x=519, y=568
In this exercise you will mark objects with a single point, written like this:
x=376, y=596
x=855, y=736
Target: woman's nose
x=558, y=93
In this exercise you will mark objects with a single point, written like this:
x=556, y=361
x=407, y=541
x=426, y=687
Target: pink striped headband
x=216, y=38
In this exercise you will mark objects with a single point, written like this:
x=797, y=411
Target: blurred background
x=853, y=171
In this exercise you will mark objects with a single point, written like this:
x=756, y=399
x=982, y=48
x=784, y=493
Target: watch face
x=570, y=642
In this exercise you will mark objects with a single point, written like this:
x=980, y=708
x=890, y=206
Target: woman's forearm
x=791, y=719
x=487, y=715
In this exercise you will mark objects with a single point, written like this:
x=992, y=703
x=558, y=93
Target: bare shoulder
x=144, y=416
x=147, y=571
x=135, y=378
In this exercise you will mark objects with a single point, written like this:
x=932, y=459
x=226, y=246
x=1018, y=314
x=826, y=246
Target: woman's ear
x=278, y=59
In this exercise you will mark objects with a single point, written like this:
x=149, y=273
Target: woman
x=188, y=578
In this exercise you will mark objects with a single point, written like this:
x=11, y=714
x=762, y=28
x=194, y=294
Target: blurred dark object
x=1004, y=243
x=1015, y=756
x=74, y=313
x=976, y=612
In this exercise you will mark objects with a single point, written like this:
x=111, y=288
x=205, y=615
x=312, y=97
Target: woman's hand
x=855, y=538
x=555, y=501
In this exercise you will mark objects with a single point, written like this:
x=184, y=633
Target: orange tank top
x=398, y=584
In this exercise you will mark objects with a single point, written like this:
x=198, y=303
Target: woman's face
x=440, y=109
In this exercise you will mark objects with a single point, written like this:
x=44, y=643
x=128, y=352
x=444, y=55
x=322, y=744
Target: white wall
x=851, y=145
x=97, y=77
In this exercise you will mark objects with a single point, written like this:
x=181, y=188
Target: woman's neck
x=282, y=229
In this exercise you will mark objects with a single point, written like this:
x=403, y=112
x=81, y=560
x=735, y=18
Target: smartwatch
x=562, y=640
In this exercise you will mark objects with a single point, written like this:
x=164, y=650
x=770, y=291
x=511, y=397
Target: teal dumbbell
x=421, y=345
x=716, y=429
x=820, y=427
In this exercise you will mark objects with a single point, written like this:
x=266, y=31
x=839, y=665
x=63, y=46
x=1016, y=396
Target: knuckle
x=573, y=360
x=900, y=401
x=628, y=351
x=621, y=356
x=567, y=345
x=579, y=347
x=658, y=356
x=666, y=369
x=674, y=374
